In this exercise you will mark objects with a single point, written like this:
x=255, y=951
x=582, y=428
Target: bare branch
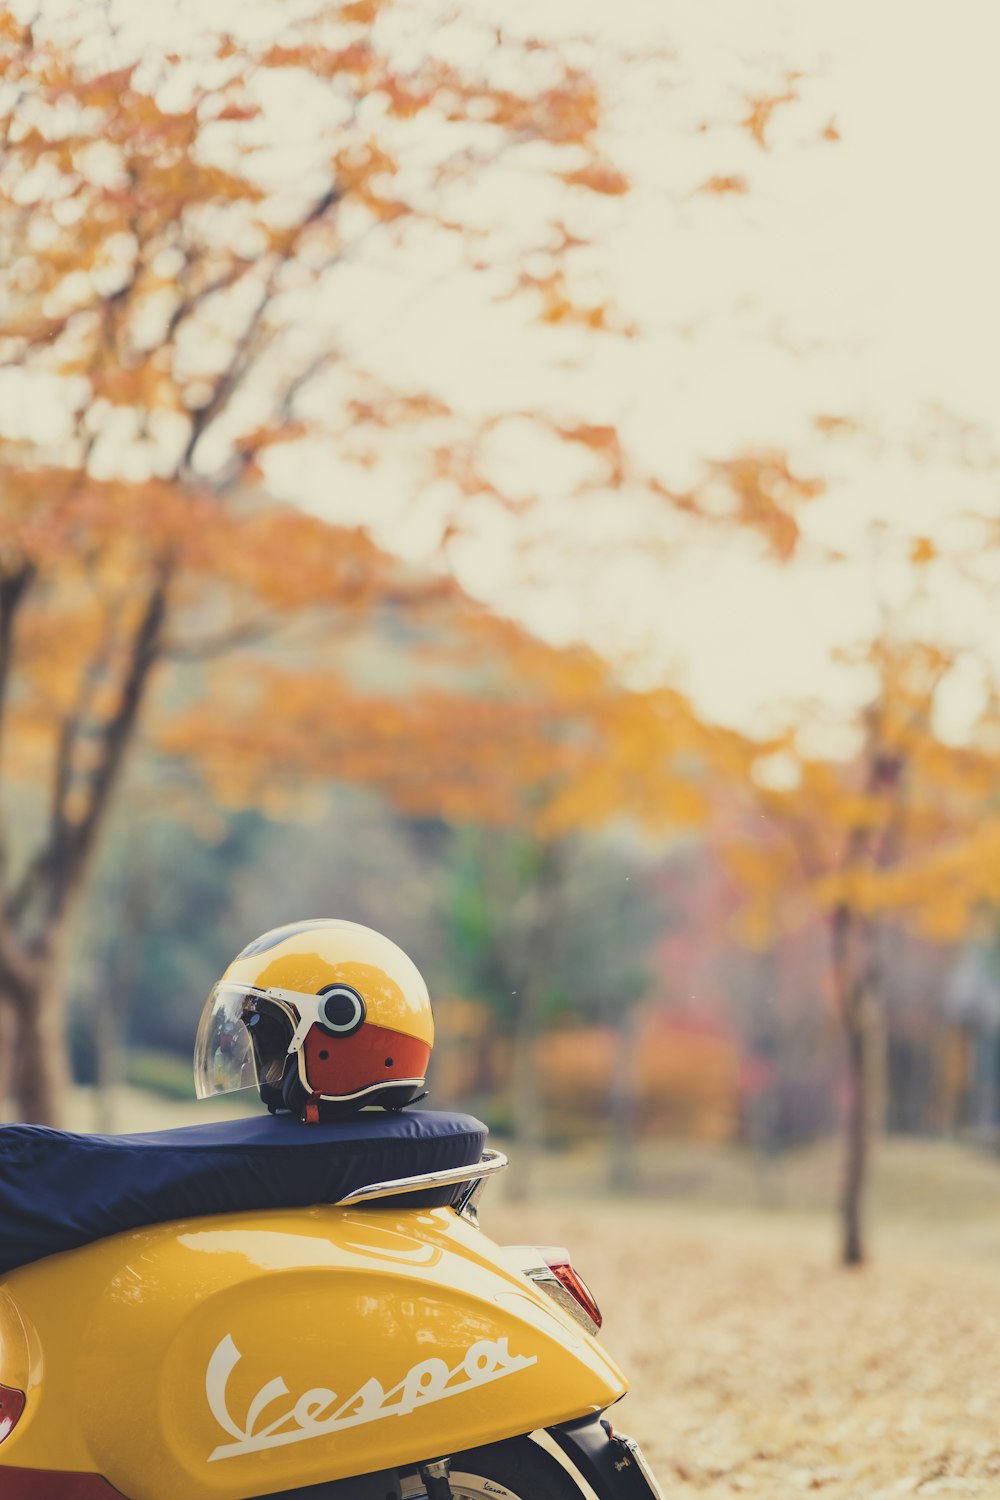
x=190, y=304
x=298, y=383
x=231, y=377
x=242, y=460
x=242, y=358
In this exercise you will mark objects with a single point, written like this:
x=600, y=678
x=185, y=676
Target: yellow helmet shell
x=309, y=955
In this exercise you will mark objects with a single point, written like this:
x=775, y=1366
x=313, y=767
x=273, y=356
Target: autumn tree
x=898, y=832
x=164, y=253
x=172, y=225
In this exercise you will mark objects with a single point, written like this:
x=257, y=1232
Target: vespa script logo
x=311, y=1415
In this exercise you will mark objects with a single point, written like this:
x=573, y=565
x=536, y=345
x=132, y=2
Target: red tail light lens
x=564, y=1284
x=568, y=1277
x=11, y=1407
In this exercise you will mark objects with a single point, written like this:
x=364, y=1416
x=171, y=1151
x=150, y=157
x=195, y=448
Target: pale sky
x=857, y=278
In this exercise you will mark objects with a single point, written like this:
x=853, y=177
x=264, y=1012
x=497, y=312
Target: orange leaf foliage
x=762, y=109
x=600, y=177
x=767, y=492
x=721, y=186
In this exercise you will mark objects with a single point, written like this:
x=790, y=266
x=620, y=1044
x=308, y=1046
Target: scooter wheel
x=514, y=1470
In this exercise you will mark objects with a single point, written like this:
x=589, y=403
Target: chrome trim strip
x=492, y=1161
x=466, y=1204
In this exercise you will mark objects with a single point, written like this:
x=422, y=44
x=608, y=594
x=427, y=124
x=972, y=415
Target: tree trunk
x=623, y=1105
x=526, y=1104
x=761, y=1120
x=52, y=884
x=856, y=1141
x=40, y=1074
x=7, y=1042
x=854, y=979
x=530, y=934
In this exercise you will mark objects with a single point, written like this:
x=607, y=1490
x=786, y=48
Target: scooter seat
x=59, y=1190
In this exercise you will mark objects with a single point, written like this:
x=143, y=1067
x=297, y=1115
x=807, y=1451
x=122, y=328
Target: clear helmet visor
x=240, y=1043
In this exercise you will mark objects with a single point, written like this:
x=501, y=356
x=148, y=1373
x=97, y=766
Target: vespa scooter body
x=256, y=1354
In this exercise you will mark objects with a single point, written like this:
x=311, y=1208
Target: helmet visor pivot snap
x=341, y=1010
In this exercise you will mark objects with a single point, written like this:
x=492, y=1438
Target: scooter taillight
x=565, y=1284
x=11, y=1407
x=568, y=1277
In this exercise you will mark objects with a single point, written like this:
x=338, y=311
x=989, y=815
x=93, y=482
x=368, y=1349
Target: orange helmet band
x=374, y=1057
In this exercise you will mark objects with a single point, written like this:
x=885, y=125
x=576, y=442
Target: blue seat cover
x=59, y=1190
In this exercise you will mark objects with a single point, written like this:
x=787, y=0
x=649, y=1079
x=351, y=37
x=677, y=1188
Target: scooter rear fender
x=251, y=1355
x=603, y=1464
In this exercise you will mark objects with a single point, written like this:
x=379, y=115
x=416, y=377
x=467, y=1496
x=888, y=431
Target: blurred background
x=526, y=479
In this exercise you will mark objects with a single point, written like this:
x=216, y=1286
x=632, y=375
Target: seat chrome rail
x=491, y=1161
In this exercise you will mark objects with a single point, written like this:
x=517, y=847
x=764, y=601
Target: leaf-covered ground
x=757, y=1367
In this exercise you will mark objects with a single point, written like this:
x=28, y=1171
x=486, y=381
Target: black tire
x=520, y=1469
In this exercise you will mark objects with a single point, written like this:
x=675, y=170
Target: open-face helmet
x=323, y=1017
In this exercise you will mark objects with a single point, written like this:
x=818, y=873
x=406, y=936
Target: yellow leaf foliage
x=903, y=831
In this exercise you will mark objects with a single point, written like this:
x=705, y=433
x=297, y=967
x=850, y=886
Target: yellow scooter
x=339, y=1329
